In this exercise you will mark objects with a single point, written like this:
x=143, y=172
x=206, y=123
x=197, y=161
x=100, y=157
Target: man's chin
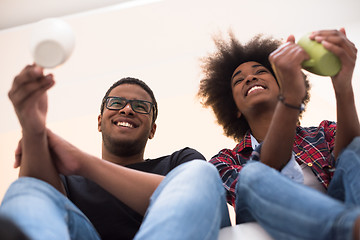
x=124, y=148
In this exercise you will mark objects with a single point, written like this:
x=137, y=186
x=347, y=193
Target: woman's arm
x=278, y=143
x=348, y=125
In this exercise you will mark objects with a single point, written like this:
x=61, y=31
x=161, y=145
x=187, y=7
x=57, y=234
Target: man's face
x=125, y=132
x=253, y=86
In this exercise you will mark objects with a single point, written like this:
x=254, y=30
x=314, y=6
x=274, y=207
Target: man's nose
x=127, y=110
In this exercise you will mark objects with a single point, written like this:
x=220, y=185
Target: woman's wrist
x=300, y=107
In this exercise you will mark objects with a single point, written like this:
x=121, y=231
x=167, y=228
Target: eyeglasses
x=138, y=106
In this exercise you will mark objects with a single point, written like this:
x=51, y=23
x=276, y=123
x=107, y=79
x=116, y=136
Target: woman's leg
x=345, y=184
x=288, y=210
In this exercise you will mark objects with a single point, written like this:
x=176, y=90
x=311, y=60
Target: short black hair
x=218, y=67
x=135, y=81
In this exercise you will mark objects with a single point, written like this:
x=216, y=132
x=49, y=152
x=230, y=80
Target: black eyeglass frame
x=106, y=100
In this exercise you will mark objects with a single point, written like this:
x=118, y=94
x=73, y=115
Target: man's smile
x=125, y=124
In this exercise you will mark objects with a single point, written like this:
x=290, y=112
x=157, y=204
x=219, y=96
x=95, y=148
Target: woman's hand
x=286, y=62
x=336, y=42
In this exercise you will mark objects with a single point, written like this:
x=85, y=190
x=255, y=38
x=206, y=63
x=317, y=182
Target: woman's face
x=253, y=87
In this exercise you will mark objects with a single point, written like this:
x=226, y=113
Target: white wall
x=160, y=43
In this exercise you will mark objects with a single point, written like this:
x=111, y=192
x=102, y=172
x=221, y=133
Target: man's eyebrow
x=238, y=72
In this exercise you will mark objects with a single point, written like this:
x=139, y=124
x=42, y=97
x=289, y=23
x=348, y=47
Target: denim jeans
x=42, y=212
x=189, y=204
x=288, y=210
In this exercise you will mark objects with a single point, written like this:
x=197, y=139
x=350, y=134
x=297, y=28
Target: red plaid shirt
x=312, y=146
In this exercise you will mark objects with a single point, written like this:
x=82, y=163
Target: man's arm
x=29, y=98
x=132, y=187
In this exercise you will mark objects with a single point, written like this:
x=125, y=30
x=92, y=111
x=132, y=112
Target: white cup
x=52, y=42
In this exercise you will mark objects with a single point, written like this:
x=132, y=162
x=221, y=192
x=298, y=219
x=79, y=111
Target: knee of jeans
x=199, y=169
x=355, y=145
x=30, y=186
x=250, y=174
x=352, y=151
x=356, y=140
x=197, y=166
x=202, y=167
x=31, y=183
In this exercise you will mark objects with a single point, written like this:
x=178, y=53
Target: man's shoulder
x=164, y=164
x=185, y=153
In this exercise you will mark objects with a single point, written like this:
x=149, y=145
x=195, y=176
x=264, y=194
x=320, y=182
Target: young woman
x=297, y=182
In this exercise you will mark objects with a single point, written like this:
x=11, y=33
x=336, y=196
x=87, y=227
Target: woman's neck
x=259, y=124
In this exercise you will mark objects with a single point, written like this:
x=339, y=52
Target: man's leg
x=189, y=204
x=288, y=210
x=345, y=184
x=42, y=212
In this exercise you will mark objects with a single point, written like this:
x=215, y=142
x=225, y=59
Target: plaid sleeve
x=228, y=166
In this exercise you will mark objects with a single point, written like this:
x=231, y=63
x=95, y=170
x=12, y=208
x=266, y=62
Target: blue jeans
x=189, y=204
x=42, y=212
x=288, y=210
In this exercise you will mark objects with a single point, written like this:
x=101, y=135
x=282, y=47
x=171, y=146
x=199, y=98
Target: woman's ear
x=238, y=114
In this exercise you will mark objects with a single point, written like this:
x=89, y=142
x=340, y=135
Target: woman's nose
x=250, y=78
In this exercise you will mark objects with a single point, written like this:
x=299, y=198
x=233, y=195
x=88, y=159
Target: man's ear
x=153, y=130
x=99, y=123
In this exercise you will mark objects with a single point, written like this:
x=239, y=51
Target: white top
x=300, y=174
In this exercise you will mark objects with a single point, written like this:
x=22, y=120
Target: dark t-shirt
x=110, y=217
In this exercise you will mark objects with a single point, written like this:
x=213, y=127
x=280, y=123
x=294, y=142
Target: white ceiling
x=19, y=12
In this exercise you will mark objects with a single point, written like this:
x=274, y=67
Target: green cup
x=322, y=62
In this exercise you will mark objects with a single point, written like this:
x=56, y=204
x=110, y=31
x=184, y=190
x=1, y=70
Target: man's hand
x=18, y=155
x=29, y=98
x=65, y=156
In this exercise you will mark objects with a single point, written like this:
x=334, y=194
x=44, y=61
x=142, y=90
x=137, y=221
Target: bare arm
x=348, y=125
x=132, y=187
x=278, y=143
x=286, y=60
x=28, y=95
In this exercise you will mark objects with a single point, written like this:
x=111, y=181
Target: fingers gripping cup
x=322, y=62
x=52, y=42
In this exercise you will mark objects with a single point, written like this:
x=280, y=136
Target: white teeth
x=124, y=124
x=255, y=88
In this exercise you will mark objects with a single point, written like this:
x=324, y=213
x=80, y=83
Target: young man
x=109, y=196
x=258, y=91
